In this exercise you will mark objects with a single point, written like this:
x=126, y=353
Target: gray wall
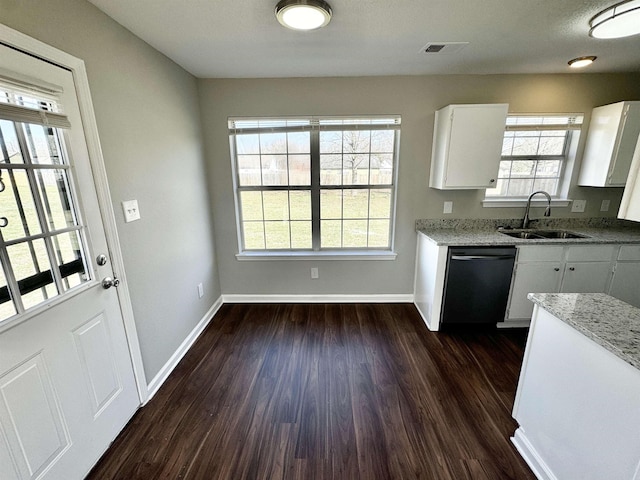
x=416, y=99
x=147, y=111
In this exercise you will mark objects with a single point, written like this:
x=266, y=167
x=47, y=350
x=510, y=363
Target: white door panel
x=66, y=378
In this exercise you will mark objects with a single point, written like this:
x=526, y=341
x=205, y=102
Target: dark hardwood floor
x=329, y=392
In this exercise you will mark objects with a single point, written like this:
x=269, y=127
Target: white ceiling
x=242, y=38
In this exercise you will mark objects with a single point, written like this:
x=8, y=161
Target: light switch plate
x=448, y=207
x=578, y=205
x=604, y=206
x=131, y=210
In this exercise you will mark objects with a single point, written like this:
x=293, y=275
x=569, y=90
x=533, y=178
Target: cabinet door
x=625, y=284
x=586, y=277
x=467, y=146
x=630, y=204
x=543, y=277
x=625, y=146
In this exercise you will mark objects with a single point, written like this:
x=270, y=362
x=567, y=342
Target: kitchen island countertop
x=611, y=323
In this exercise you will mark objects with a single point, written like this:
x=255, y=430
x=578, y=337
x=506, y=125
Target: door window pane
x=17, y=205
x=37, y=203
x=9, y=146
x=32, y=270
x=53, y=185
x=73, y=268
x=43, y=143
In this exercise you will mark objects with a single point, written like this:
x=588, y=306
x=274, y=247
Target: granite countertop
x=611, y=323
x=485, y=232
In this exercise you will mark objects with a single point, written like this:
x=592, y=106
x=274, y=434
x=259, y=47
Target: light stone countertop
x=485, y=232
x=611, y=323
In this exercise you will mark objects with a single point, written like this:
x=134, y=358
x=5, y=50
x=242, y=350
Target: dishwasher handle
x=481, y=257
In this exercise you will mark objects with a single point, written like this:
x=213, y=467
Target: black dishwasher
x=477, y=284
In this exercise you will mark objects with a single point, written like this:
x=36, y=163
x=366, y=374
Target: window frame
x=43, y=114
x=316, y=125
x=573, y=132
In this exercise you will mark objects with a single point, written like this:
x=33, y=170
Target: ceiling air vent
x=443, y=48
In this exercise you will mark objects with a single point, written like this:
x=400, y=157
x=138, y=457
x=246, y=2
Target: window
x=315, y=184
x=535, y=153
x=41, y=239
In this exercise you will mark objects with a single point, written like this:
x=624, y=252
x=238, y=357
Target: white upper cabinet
x=467, y=145
x=630, y=204
x=612, y=137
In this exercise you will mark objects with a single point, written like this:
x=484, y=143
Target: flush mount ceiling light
x=620, y=20
x=303, y=14
x=581, y=62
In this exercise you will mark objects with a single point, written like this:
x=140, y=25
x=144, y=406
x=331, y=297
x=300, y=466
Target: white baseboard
x=514, y=324
x=530, y=455
x=184, y=347
x=386, y=298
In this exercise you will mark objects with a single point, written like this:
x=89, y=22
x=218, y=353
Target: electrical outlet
x=448, y=207
x=604, y=206
x=131, y=210
x=578, y=205
x=200, y=290
x=314, y=272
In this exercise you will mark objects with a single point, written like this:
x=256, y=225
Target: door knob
x=108, y=282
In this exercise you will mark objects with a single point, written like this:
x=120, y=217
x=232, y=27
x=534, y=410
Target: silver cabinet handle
x=108, y=282
x=557, y=269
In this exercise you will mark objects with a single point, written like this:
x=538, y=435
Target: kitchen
x=583, y=339
x=167, y=313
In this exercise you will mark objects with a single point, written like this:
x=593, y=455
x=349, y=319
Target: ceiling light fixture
x=303, y=14
x=618, y=21
x=581, y=62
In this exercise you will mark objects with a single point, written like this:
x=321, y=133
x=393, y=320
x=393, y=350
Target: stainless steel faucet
x=547, y=212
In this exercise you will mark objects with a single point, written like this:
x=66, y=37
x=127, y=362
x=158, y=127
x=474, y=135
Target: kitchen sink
x=541, y=234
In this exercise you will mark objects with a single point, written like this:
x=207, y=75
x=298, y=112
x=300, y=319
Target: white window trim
x=327, y=254
x=522, y=202
x=254, y=255
x=561, y=199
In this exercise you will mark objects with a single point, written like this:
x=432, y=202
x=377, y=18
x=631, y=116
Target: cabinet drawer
x=591, y=253
x=539, y=253
x=629, y=252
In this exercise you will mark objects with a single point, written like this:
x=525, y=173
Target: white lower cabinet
x=539, y=277
x=586, y=277
x=625, y=284
x=552, y=269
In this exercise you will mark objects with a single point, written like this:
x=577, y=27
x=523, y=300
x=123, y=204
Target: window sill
x=522, y=202
x=331, y=255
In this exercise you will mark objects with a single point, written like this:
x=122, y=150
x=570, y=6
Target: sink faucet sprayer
x=547, y=212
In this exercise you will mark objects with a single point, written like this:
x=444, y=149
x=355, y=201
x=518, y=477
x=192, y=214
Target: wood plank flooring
x=336, y=391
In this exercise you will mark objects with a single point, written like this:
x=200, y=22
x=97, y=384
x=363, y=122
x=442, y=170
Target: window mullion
x=315, y=189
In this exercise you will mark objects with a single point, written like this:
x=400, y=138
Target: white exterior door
x=67, y=384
